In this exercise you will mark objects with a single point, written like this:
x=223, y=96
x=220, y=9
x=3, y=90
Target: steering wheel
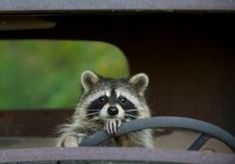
x=206, y=129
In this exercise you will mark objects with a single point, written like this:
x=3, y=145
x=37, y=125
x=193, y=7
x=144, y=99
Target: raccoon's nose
x=112, y=111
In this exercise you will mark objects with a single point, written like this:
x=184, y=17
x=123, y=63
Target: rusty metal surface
x=68, y=6
x=108, y=153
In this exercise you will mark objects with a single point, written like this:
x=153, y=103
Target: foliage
x=46, y=74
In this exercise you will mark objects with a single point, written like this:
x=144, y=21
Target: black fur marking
x=113, y=97
x=126, y=104
x=113, y=94
x=96, y=105
x=129, y=107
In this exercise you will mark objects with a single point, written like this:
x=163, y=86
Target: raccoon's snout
x=113, y=111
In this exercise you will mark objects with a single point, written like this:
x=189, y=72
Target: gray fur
x=91, y=114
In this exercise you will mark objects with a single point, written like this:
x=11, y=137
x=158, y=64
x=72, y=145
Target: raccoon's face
x=105, y=99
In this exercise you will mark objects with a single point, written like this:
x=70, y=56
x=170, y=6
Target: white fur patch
x=103, y=112
x=121, y=112
x=117, y=93
x=107, y=93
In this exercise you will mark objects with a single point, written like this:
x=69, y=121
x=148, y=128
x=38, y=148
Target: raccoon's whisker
x=130, y=115
x=132, y=110
x=92, y=119
x=93, y=113
x=130, y=118
x=93, y=110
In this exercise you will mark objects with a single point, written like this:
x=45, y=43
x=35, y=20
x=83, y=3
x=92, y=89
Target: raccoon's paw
x=112, y=126
x=70, y=141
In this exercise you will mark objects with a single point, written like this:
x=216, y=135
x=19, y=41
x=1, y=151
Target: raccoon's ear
x=88, y=80
x=139, y=82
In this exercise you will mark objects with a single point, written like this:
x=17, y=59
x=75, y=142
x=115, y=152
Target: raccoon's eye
x=102, y=99
x=122, y=99
x=125, y=103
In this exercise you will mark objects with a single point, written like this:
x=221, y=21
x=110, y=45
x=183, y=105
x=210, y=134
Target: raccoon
x=107, y=103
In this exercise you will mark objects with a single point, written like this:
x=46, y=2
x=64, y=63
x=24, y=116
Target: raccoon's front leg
x=70, y=140
x=112, y=126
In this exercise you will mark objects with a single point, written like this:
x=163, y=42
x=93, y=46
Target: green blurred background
x=46, y=74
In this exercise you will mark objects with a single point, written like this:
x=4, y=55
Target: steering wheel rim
x=165, y=122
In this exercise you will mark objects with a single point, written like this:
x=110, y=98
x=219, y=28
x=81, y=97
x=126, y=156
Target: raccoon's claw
x=112, y=126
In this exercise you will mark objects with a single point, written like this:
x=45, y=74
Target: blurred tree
x=46, y=74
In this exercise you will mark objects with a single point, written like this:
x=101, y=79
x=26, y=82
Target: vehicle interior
x=187, y=48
